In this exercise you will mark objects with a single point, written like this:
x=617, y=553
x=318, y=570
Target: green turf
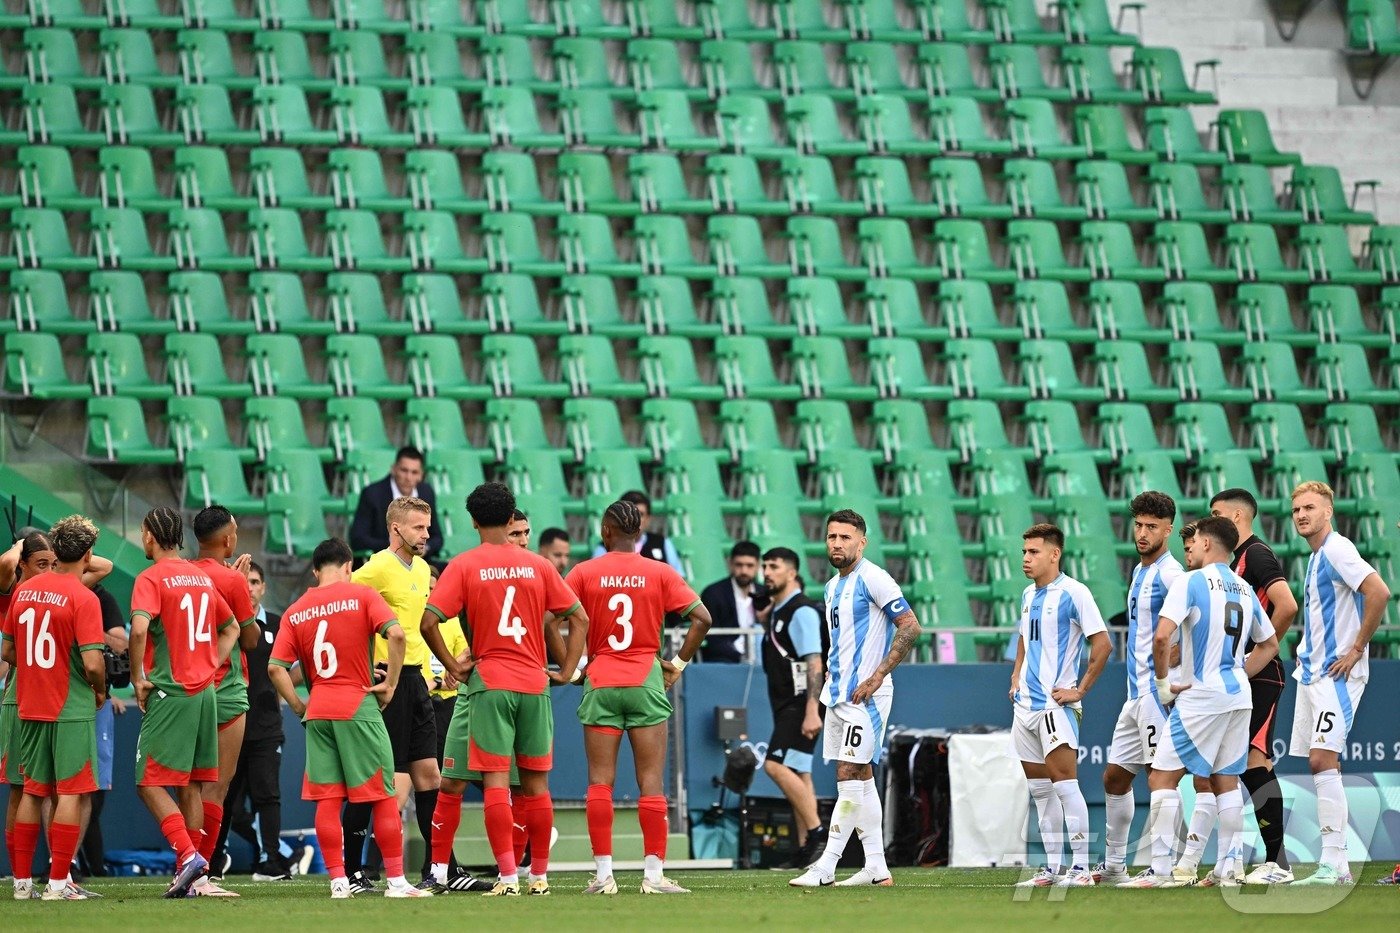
x=944, y=899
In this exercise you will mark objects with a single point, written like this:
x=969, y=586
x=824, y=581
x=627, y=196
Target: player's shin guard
x=213, y=818
x=1332, y=818
x=850, y=800
x=499, y=822
x=178, y=835
x=651, y=813
x=537, y=815
x=872, y=829
x=1050, y=818
x=388, y=833
x=1264, y=790
x=26, y=841
x=1202, y=822
x=599, y=808
x=1076, y=821
x=446, y=817
x=1228, y=853
x=1118, y=822
x=330, y=836
x=1167, y=804
x=63, y=842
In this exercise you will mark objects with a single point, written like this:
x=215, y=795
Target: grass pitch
x=947, y=899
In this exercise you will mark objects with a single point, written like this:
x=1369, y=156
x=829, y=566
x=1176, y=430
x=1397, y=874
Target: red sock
x=499, y=820
x=538, y=813
x=600, y=818
x=10, y=843
x=213, y=816
x=26, y=841
x=330, y=836
x=388, y=832
x=520, y=839
x=175, y=832
x=651, y=813
x=447, y=816
x=63, y=842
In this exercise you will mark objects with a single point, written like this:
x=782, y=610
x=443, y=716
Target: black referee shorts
x=411, y=722
x=788, y=746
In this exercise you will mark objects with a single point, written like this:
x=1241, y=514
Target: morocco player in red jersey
x=53, y=636
x=330, y=631
x=505, y=592
x=627, y=597
x=217, y=533
x=181, y=631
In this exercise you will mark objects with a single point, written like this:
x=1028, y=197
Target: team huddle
x=1204, y=682
x=1202, y=660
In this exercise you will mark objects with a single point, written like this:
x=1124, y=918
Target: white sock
x=1050, y=816
x=58, y=885
x=1332, y=818
x=872, y=831
x=652, y=868
x=604, y=865
x=534, y=877
x=1167, y=803
x=440, y=872
x=398, y=881
x=1076, y=821
x=1117, y=824
x=1202, y=822
x=512, y=878
x=1228, y=855
x=850, y=800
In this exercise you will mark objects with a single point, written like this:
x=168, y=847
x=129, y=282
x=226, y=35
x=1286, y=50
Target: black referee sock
x=424, y=803
x=356, y=825
x=1268, y=812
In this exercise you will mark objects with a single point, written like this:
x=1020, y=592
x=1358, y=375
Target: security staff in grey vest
x=794, y=644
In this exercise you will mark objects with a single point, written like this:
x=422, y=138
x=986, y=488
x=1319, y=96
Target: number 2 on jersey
x=40, y=647
x=198, y=625
x=510, y=626
x=621, y=603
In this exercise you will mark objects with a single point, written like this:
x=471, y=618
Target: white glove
x=1164, y=691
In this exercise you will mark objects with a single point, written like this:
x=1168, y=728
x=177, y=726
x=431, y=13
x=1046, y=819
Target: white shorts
x=1141, y=725
x=1205, y=742
x=1323, y=713
x=855, y=733
x=1036, y=733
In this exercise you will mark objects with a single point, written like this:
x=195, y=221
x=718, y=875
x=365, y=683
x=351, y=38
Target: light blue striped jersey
x=1219, y=615
x=860, y=611
x=1332, y=610
x=1055, y=620
x=1145, y=596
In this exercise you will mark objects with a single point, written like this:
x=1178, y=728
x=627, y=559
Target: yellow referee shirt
x=456, y=643
x=405, y=589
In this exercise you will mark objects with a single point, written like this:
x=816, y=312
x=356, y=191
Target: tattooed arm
x=907, y=631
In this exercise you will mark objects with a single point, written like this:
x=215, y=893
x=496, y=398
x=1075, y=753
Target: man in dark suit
x=733, y=602
x=368, y=531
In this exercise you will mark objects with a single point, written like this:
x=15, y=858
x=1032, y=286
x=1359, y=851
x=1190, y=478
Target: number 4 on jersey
x=510, y=626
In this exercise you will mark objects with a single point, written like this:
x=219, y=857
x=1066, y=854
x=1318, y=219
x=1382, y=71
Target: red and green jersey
x=330, y=630
x=186, y=614
x=52, y=620
x=11, y=698
x=627, y=597
x=233, y=587
x=504, y=591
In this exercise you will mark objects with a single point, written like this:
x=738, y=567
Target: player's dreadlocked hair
x=491, y=505
x=166, y=526
x=625, y=517
x=73, y=537
x=34, y=542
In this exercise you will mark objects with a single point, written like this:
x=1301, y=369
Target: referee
x=1259, y=566
x=794, y=644
x=401, y=575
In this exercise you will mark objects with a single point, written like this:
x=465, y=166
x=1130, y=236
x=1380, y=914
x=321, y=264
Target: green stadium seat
x=360, y=118
x=52, y=57
x=901, y=429
x=1276, y=428
x=1015, y=72
x=887, y=248
x=735, y=184
x=737, y=305
x=435, y=369
x=119, y=239
x=39, y=238
x=117, y=365
x=436, y=425
x=587, y=117
x=431, y=303
x=1118, y=313
x=957, y=125
x=1128, y=427
x=198, y=240
x=665, y=121
x=216, y=476
x=1043, y=310
x=1217, y=470
x=507, y=61
x=655, y=65
x=791, y=19
x=357, y=180
x=589, y=366
x=1177, y=195
x=512, y=366
x=294, y=525
x=197, y=302
x=976, y=424
x=945, y=71
x=965, y=252
x=1035, y=252
x=129, y=56
x=358, y=57
x=278, y=178
x=278, y=303
x=435, y=118
x=1183, y=253
x=283, y=116
x=811, y=187
x=822, y=368
x=727, y=68
x=433, y=180
x=116, y=432
x=38, y=301
x=1089, y=21
x=671, y=426
x=355, y=240
x=825, y=425
x=1170, y=133
x=800, y=68
x=586, y=185
x=873, y=68
x=512, y=184
x=194, y=364
x=745, y=370
x=509, y=303
x=610, y=473
x=749, y=426
x=1382, y=252
x=1255, y=254
x=1204, y=427
x=589, y=304
x=974, y=370
x=1271, y=370
x=356, y=424
x=1106, y=194
x=1052, y=429
x=948, y=21
x=661, y=185
x=885, y=123
x=1019, y=21
x=736, y=246
x=1325, y=252
x=355, y=366
x=118, y=302
x=1335, y=316
x=1140, y=471
x=277, y=366
x=1124, y=373
x=206, y=116
x=1354, y=429
x=594, y=424
x=51, y=116
x=1243, y=135
x=197, y=425
x=1048, y=370
x=582, y=63
x=898, y=370
x=127, y=178
x=431, y=241
x=1032, y=190
x=1110, y=251
x=1159, y=75
x=517, y=424
x=892, y=307
x=46, y=179
x=36, y=368
x=957, y=190
x=816, y=308
x=1035, y=131
x=586, y=244
x=1090, y=75
x=966, y=308
x=1190, y=310
x=206, y=57
x=278, y=424
x=1344, y=372
x=433, y=58
x=1318, y=192
x=814, y=126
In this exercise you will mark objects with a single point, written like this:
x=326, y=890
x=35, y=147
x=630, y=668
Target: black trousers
x=255, y=792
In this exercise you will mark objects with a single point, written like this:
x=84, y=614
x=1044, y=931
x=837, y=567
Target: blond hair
x=403, y=506
x=72, y=537
x=1313, y=485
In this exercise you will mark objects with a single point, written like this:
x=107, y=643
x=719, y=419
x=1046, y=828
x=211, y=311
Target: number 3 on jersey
x=621, y=603
x=510, y=626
